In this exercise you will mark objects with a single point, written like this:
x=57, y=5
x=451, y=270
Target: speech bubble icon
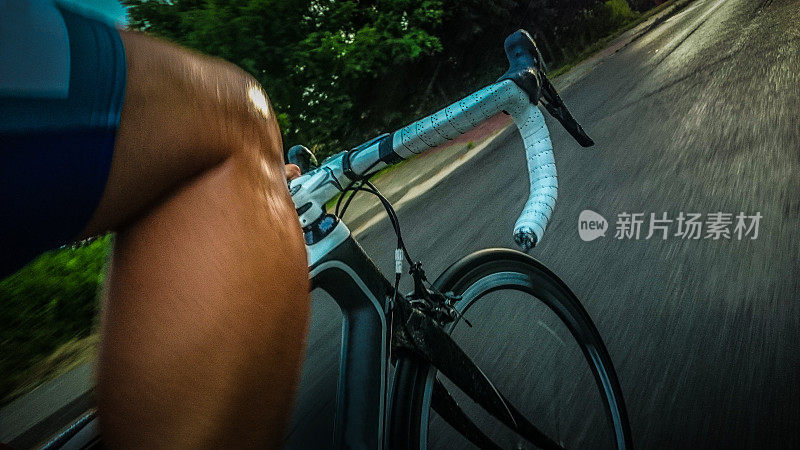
x=591, y=225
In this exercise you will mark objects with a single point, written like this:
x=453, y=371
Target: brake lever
x=556, y=107
x=525, y=69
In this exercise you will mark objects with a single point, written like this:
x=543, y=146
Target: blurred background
x=694, y=107
x=337, y=72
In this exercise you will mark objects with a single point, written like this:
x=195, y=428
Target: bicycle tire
x=491, y=268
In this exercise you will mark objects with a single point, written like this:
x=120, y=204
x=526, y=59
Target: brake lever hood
x=525, y=69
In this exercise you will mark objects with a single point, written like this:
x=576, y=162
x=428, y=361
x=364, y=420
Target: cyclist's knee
x=183, y=115
x=212, y=108
x=252, y=128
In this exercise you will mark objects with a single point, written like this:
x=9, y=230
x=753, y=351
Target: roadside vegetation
x=45, y=310
x=338, y=72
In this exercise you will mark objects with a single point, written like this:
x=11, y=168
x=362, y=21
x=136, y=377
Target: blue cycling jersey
x=60, y=106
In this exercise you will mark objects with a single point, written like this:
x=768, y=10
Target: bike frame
x=371, y=331
x=339, y=266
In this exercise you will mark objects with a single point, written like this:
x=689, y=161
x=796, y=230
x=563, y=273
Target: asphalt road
x=699, y=115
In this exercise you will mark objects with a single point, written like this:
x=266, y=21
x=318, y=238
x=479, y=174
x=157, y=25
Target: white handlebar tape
x=454, y=120
x=536, y=213
x=468, y=113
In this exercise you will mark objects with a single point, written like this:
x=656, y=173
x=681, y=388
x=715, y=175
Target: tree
x=341, y=71
x=321, y=61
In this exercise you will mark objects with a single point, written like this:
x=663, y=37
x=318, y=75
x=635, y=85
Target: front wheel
x=548, y=360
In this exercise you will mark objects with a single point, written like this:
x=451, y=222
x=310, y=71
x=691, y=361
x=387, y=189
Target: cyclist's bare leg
x=207, y=308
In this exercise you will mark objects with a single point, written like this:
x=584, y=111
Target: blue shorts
x=55, y=153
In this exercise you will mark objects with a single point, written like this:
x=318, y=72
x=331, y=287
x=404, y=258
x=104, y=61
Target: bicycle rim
x=477, y=278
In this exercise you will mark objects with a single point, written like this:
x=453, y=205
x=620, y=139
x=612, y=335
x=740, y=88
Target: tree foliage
x=340, y=71
x=319, y=60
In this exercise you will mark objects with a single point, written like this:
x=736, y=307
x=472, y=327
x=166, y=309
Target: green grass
x=63, y=359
